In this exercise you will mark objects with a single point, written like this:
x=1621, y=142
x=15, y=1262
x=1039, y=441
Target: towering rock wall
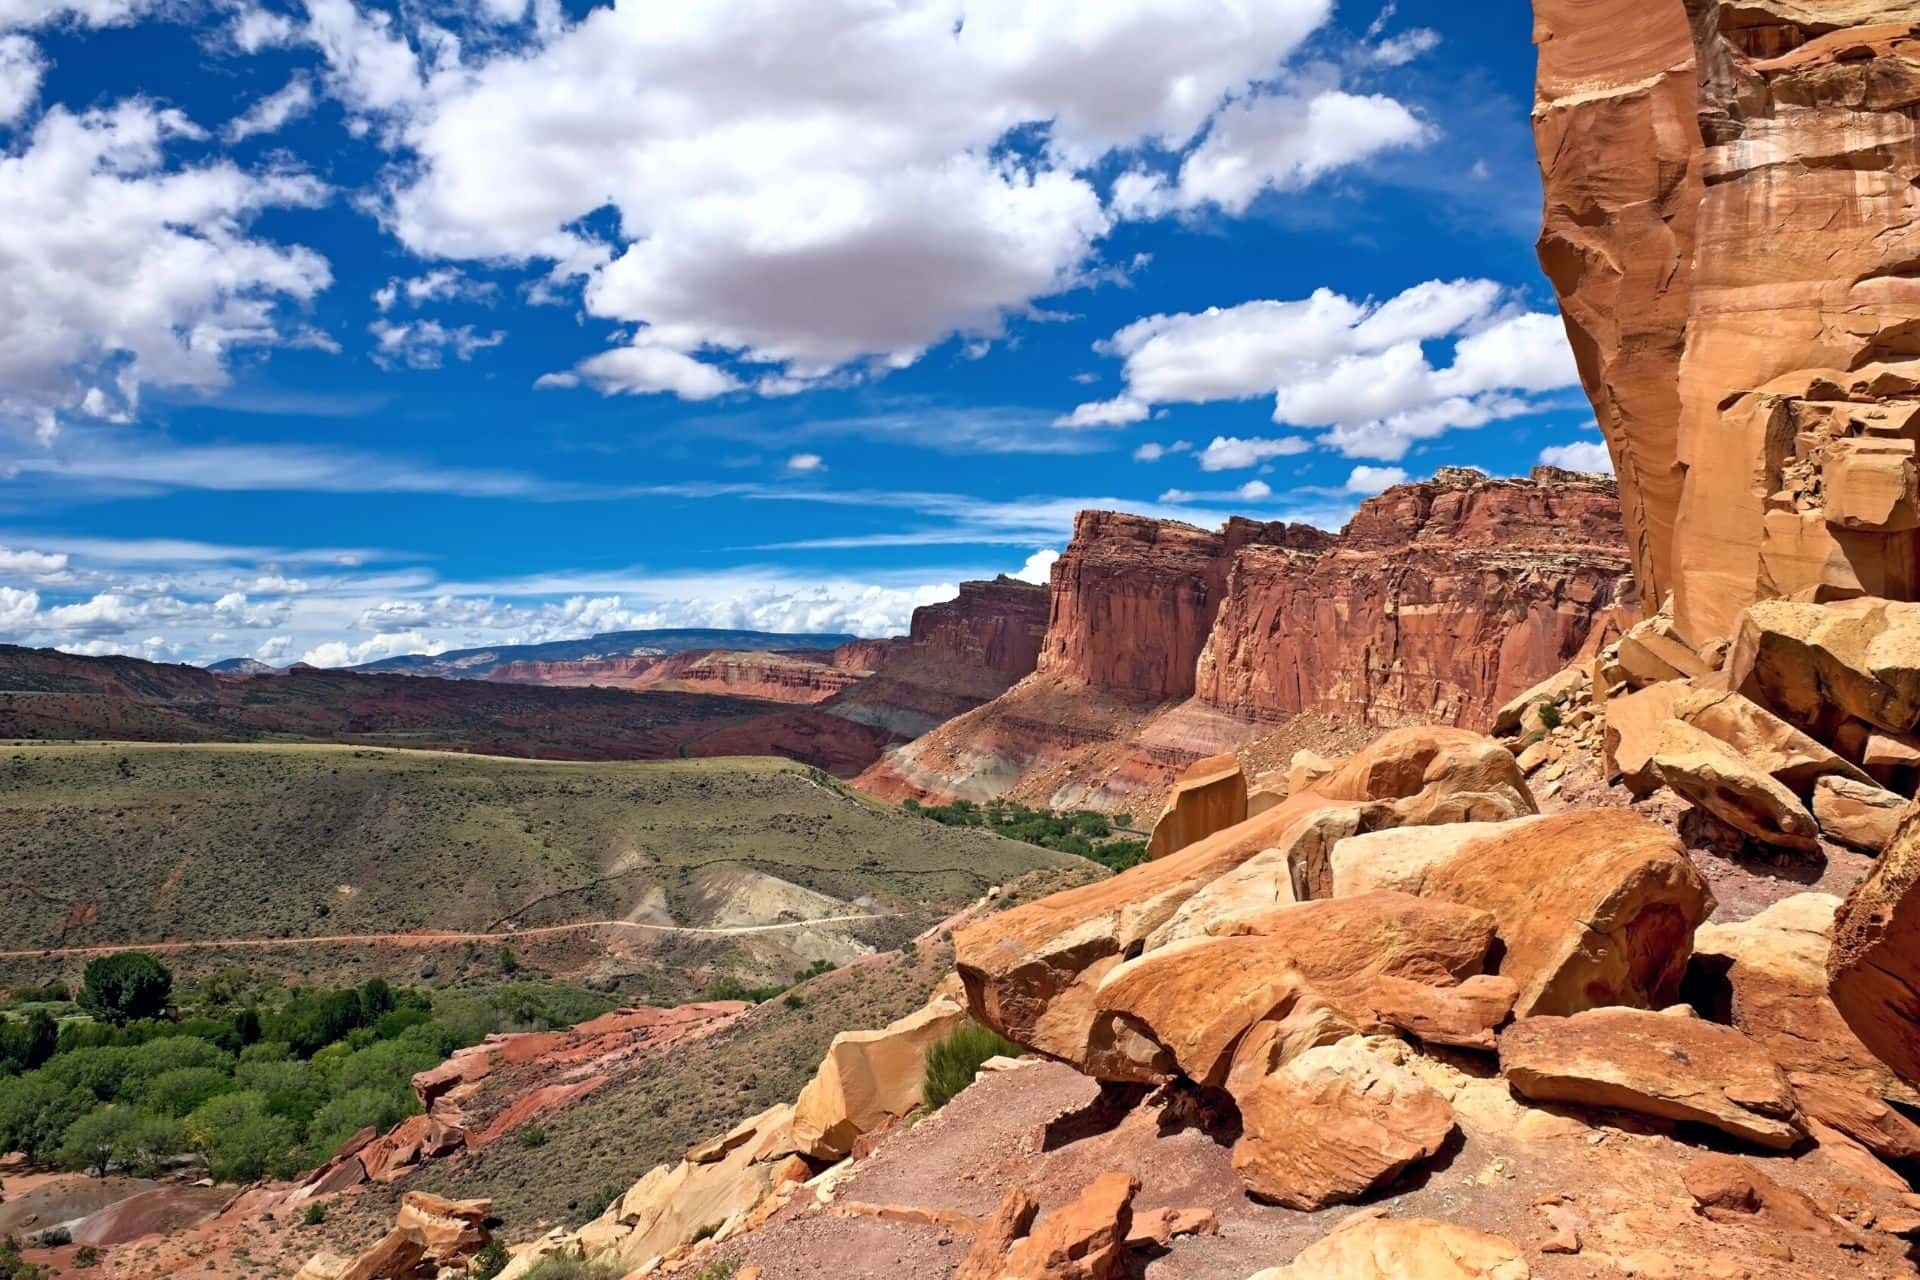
x=995, y=626
x=957, y=655
x=1134, y=599
x=1798, y=388
x=1167, y=643
x=1437, y=603
x=1614, y=123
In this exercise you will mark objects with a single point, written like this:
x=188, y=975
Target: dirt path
x=430, y=938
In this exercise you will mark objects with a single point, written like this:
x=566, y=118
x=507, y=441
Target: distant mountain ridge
x=477, y=664
x=241, y=667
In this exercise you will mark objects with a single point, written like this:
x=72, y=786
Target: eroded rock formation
x=1730, y=209
x=1167, y=643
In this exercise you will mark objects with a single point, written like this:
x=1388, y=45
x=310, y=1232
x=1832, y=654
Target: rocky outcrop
x=430, y=1234
x=1438, y=602
x=1729, y=186
x=956, y=655
x=1873, y=969
x=1209, y=796
x=1614, y=124
x=1032, y=973
x=1134, y=599
x=869, y=1077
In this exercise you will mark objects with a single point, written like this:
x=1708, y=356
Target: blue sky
x=337, y=328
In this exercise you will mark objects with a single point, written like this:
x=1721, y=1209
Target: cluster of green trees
x=1084, y=832
x=254, y=1082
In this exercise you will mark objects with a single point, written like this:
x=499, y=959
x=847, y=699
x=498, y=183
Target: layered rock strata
x=1730, y=202
x=1167, y=643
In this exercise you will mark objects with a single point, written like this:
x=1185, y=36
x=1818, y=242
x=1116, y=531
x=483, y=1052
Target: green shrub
x=533, y=1135
x=718, y=1269
x=1550, y=714
x=316, y=1213
x=12, y=1265
x=489, y=1262
x=955, y=1061
x=241, y=1140
x=86, y=1256
x=124, y=986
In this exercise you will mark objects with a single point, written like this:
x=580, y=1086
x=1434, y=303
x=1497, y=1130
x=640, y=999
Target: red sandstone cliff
x=957, y=655
x=1731, y=204
x=1437, y=603
x=1134, y=599
x=1166, y=642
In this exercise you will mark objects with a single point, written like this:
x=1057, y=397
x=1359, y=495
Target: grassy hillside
x=134, y=842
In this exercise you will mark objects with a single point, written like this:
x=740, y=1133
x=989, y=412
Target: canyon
x=1166, y=643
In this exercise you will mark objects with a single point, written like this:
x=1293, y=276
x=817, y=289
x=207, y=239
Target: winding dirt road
x=430, y=938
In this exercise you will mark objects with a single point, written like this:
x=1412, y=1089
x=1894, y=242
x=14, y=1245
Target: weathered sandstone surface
x=1730, y=197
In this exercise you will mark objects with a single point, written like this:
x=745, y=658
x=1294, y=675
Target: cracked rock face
x=1730, y=217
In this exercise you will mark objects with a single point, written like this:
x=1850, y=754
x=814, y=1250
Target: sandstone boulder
x=1713, y=776
x=1085, y=1239
x=1632, y=732
x=867, y=1077
x=1763, y=739
x=1305, y=769
x=1288, y=872
x=1653, y=650
x=1593, y=907
x=1658, y=1064
x=1030, y=972
x=1186, y=1006
x=1404, y=1249
x=1860, y=814
x=1726, y=1188
x=1562, y=687
x=1333, y=1124
x=1208, y=796
x=1009, y=1222
x=1816, y=664
x=1400, y=857
x=673, y=1203
x=1873, y=969
x=429, y=1233
x=1774, y=966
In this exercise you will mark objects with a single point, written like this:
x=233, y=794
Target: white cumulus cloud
x=1360, y=371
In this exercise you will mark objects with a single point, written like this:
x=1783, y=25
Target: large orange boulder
x=1873, y=969
x=1774, y=967
x=1860, y=814
x=1671, y=1065
x=1207, y=797
x=868, y=1077
x=1817, y=665
x=1187, y=1005
x=1335, y=1123
x=1030, y=973
x=1715, y=777
x=1593, y=907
